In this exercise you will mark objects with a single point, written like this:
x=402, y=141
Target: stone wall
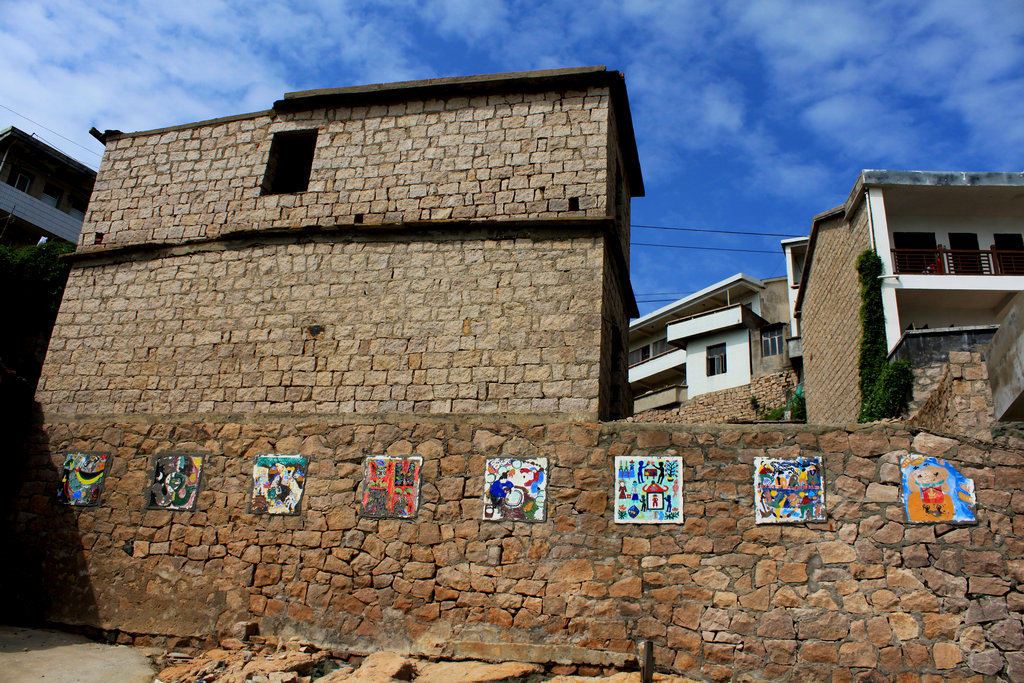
x=491, y=156
x=863, y=595
x=961, y=400
x=337, y=324
x=728, y=405
x=829, y=326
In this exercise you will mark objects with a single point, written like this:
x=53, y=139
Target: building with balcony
x=706, y=355
x=952, y=249
x=43, y=192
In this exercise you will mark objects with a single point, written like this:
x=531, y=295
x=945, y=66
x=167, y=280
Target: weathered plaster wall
x=499, y=156
x=863, y=595
x=427, y=323
x=829, y=324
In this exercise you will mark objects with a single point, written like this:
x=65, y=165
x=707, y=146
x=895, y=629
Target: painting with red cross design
x=391, y=486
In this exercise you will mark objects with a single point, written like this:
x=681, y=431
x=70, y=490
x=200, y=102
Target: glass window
x=771, y=340
x=716, y=359
x=659, y=347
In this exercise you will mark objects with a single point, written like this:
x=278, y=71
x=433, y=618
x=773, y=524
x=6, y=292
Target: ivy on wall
x=884, y=386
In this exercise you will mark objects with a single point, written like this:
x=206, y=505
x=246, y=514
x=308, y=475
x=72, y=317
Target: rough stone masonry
x=451, y=281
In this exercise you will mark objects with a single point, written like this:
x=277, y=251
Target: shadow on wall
x=46, y=575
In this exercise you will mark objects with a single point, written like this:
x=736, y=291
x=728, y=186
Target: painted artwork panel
x=391, y=486
x=648, y=489
x=278, y=482
x=789, y=490
x=82, y=478
x=515, y=489
x=175, y=481
x=934, y=491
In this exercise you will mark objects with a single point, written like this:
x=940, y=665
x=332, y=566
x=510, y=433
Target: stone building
x=458, y=245
x=43, y=192
x=952, y=249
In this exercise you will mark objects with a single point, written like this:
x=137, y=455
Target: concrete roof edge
x=16, y=133
x=875, y=177
x=696, y=296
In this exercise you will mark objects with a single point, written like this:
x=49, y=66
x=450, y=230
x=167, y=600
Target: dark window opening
x=290, y=162
x=968, y=260
x=358, y=218
x=716, y=360
x=915, y=252
x=98, y=238
x=51, y=194
x=1009, y=249
x=19, y=180
x=574, y=203
x=78, y=207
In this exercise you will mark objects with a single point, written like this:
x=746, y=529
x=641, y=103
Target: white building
x=721, y=337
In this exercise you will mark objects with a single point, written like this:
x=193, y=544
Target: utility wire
x=724, y=232
x=679, y=246
x=90, y=151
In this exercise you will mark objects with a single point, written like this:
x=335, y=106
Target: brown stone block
x=819, y=652
x=857, y=655
x=946, y=655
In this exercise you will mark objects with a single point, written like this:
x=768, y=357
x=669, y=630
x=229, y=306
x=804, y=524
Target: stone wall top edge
x=525, y=419
x=186, y=126
x=247, y=237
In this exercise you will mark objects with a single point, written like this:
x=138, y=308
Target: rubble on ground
x=268, y=660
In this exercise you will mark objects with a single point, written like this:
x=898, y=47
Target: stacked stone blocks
x=863, y=593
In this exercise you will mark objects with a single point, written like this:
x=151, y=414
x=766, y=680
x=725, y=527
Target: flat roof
x=669, y=312
x=13, y=133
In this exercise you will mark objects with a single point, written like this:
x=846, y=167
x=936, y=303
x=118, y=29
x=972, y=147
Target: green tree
x=32, y=280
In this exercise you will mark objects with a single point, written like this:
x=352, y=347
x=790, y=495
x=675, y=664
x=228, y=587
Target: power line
x=724, y=232
x=90, y=151
x=679, y=246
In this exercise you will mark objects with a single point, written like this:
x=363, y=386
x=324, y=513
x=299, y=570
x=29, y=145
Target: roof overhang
x=718, y=295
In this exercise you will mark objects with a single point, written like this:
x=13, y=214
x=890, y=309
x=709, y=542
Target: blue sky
x=750, y=115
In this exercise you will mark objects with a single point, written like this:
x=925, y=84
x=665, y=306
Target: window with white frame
x=716, y=359
x=771, y=340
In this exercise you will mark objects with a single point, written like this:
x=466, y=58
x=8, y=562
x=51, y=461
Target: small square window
x=771, y=340
x=716, y=359
x=290, y=162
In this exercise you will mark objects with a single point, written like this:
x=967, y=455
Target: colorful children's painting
x=391, y=486
x=789, y=490
x=515, y=489
x=278, y=482
x=176, y=479
x=82, y=481
x=648, y=489
x=934, y=491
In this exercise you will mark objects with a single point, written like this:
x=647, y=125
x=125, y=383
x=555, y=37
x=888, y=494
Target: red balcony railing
x=942, y=261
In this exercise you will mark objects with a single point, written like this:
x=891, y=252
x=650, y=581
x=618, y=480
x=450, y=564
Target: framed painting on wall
x=648, y=489
x=934, y=491
x=278, y=482
x=391, y=486
x=789, y=490
x=82, y=478
x=515, y=489
x=175, y=481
